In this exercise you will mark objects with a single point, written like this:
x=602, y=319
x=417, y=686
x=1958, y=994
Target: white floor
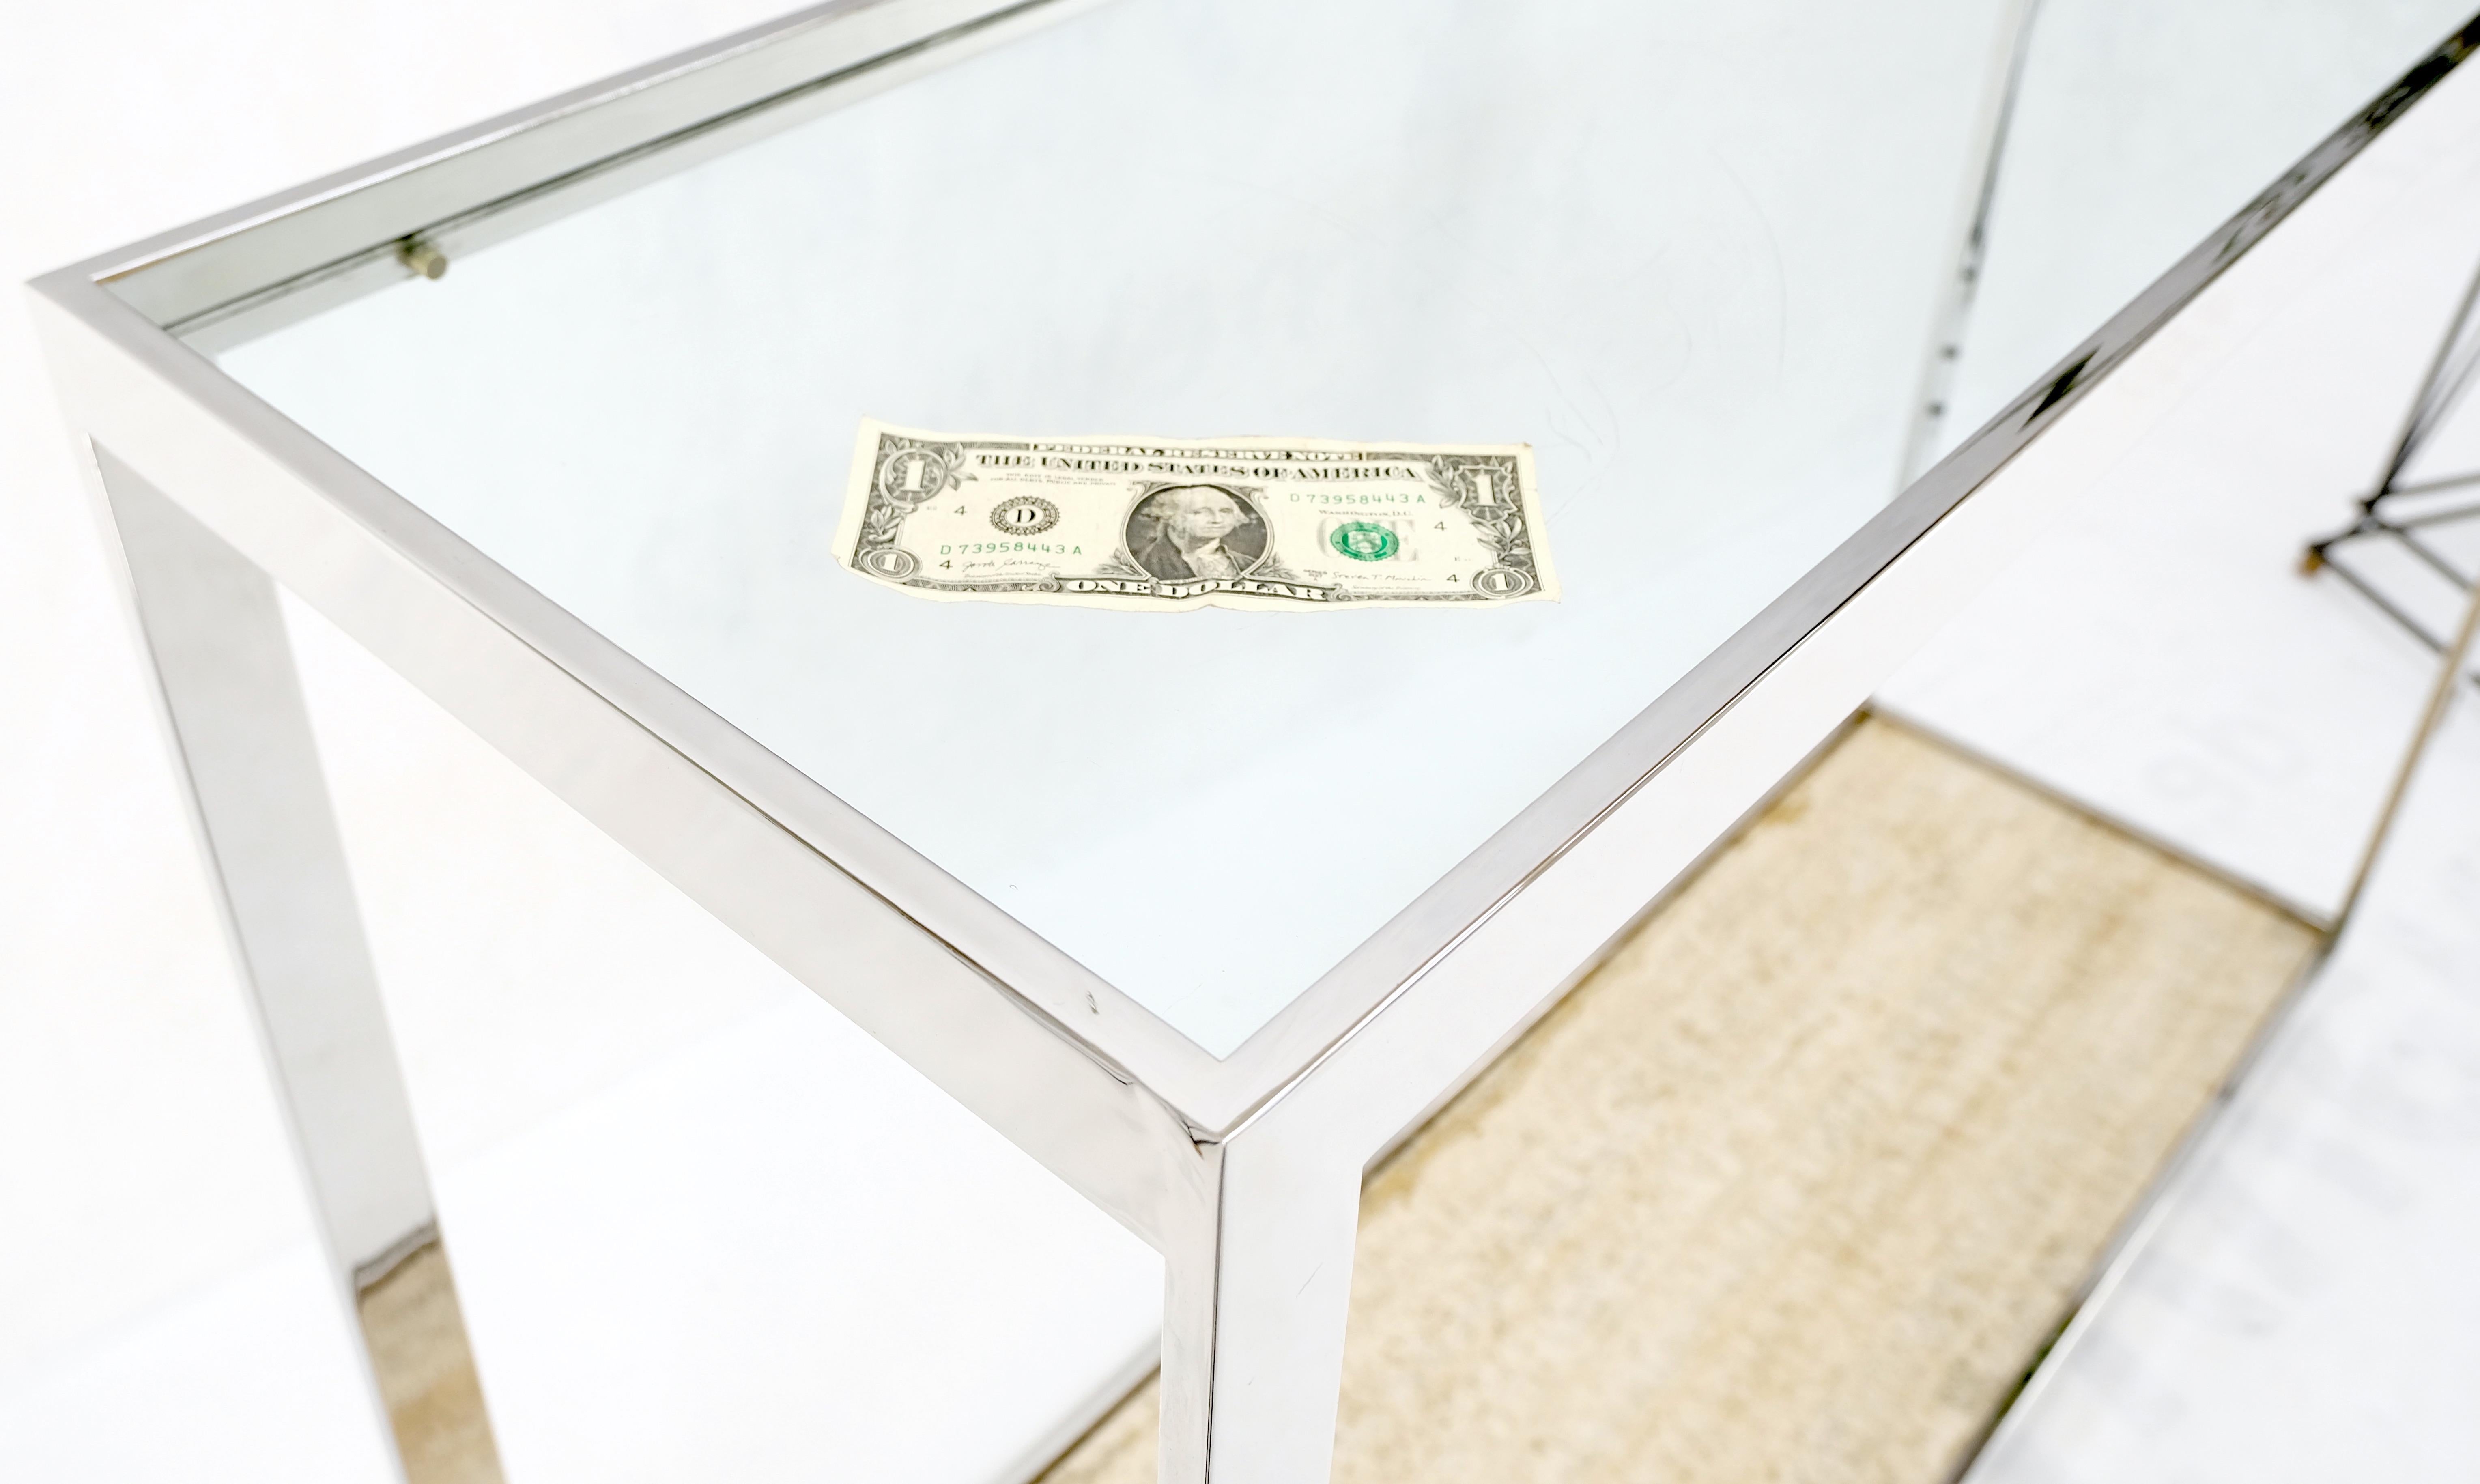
x=2305, y=1306
x=2302, y=1303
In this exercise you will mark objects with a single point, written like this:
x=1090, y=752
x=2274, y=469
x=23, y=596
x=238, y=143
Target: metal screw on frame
x=423, y=258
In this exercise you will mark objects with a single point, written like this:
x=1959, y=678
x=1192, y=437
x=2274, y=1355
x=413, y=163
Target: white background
x=652, y=1095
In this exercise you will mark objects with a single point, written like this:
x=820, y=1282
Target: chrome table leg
x=248, y=767
x=1254, y=1313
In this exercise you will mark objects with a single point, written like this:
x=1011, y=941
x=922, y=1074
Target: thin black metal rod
x=2420, y=421
x=2432, y=517
x=2433, y=557
x=2441, y=696
x=2430, y=486
x=2383, y=603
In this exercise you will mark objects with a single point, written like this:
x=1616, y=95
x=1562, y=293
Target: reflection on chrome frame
x=1245, y=1172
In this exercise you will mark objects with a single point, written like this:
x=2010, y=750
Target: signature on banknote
x=1145, y=523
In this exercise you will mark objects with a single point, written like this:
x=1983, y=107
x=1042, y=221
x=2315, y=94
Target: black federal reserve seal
x=1024, y=515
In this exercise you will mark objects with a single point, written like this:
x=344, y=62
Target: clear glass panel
x=1691, y=254
x=2138, y=128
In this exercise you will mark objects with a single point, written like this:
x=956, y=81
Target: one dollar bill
x=1147, y=522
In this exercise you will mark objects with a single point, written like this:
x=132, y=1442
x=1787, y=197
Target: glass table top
x=1692, y=254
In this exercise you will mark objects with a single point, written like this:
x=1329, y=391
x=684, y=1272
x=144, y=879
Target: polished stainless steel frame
x=1245, y=1172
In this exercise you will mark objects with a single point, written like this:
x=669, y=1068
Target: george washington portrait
x=1196, y=530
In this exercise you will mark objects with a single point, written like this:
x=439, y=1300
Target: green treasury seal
x=1363, y=541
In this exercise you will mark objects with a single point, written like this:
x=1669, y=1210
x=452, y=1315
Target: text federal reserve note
x=1145, y=523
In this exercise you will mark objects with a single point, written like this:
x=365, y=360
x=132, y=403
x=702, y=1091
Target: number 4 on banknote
x=1150, y=522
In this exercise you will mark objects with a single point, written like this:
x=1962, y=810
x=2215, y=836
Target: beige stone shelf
x=1799, y=1183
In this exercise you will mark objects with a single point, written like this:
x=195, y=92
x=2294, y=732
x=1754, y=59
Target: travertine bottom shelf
x=1800, y=1182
